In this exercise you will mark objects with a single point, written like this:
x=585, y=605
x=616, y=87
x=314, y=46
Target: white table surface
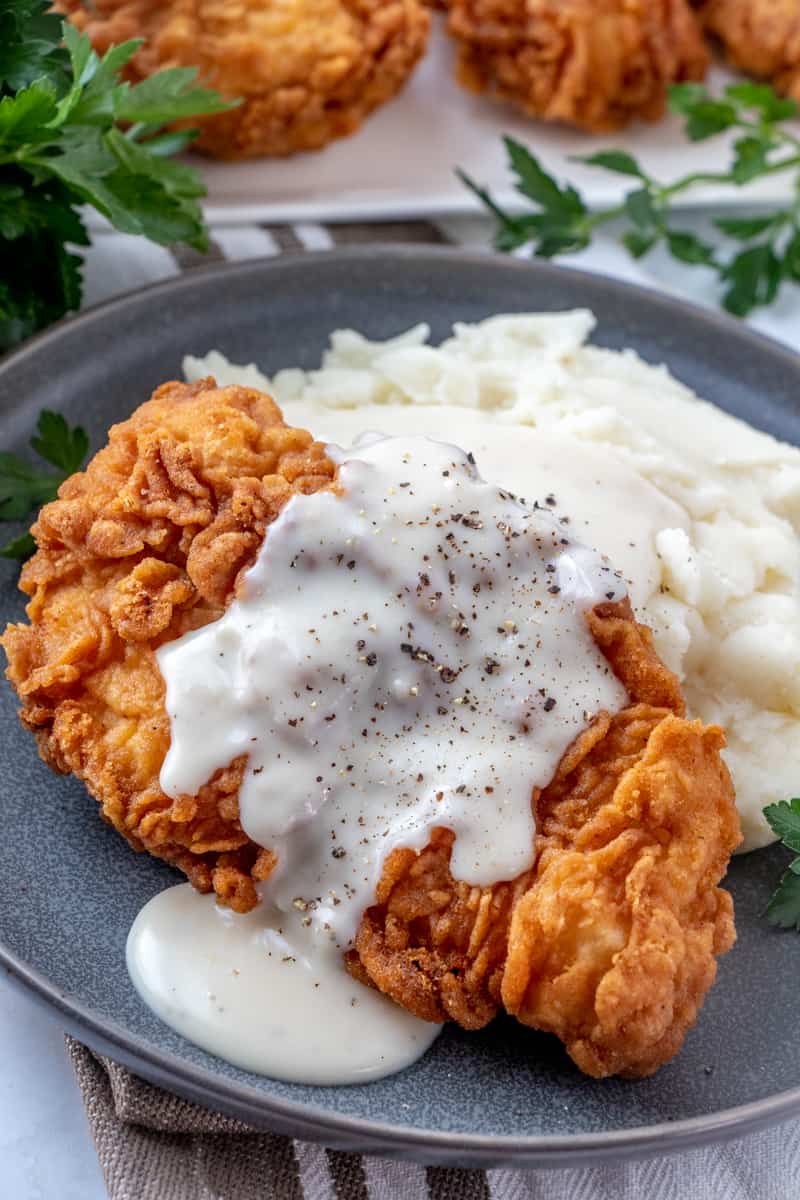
x=46, y=1151
x=45, y=1148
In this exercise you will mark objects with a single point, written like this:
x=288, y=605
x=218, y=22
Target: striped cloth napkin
x=118, y=262
x=153, y=1145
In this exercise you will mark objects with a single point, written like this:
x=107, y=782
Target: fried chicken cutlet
x=596, y=64
x=609, y=940
x=761, y=37
x=143, y=546
x=307, y=71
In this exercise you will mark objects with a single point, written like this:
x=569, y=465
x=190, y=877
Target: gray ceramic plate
x=70, y=887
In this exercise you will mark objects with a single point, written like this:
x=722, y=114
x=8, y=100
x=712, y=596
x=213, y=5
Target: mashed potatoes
x=699, y=510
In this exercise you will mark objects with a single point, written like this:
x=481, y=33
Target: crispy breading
x=761, y=37
x=596, y=64
x=613, y=946
x=610, y=940
x=434, y=944
x=143, y=546
x=307, y=71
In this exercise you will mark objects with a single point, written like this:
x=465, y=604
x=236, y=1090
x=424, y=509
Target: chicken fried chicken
x=307, y=71
x=143, y=546
x=609, y=940
x=596, y=64
x=761, y=37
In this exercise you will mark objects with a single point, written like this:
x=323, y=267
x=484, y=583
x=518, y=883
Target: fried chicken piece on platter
x=761, y=37
x=307, y=71
x=143, y=546
x=595, y=64
x=610, y=940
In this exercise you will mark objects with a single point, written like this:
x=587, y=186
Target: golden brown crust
x=143, y=546
x=307, y=71
x=609, y=941
x=434, y=944
x=596, y=64
x=613, y=946
x=761, y=37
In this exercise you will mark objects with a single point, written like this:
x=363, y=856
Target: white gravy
x=610, y=504
x=239, y=987
x=410, y=653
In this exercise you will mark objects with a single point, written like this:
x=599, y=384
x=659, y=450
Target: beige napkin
x=155, y=1146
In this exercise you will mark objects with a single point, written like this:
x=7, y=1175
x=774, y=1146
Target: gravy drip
x=266, y=995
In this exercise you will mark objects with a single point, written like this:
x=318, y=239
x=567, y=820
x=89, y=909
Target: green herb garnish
x=784, y=907
x=24, y=487
x=768, y=251
x=72, y=133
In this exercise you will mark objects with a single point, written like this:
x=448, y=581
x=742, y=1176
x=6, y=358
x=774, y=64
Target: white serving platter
x=401, y=163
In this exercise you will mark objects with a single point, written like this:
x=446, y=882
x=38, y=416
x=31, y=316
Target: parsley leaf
x=791, y=258
x=751, y=159
x=534, y=182
x=613, y=160
x=641, y=210
x=56, y=443
x=764, y=99
x=20, y=548
x=744, y=228
x=73, y=132
x=749, y=276
x=24, y=118
x=783, y=909
x=784, y=821
x=30, y=44
x=754, y=276
x=558, y=226
x=40, y=277
x=24, y=487
x=689, y=248
x=638, y=244
x=99, y=100
x=705, y=114
x=166, y=97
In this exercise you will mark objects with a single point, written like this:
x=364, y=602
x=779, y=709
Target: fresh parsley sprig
x=73, y=133
x=24, y=486
x=768, y=251
x=783, y=909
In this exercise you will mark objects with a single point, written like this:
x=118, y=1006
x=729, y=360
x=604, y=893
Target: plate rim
x=410, y=1142
x=717, y=319
x=317, y=1124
